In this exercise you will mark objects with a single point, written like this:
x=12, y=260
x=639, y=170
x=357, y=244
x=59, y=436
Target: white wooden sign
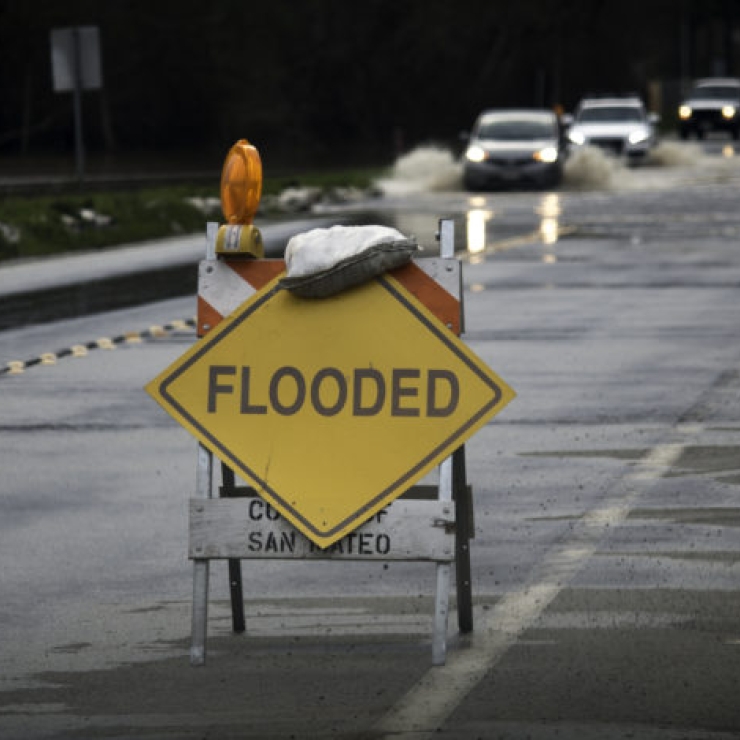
x=251, y=528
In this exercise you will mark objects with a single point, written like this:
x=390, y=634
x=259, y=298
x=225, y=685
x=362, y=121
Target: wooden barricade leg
x=238, y=622
x=201, y=567
x=463, y=534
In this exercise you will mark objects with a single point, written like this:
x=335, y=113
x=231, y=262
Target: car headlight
x=476, y=153
x=635, y=137
x=577, y=137
x=684, y=112
x=549, y=155
x=728, y=111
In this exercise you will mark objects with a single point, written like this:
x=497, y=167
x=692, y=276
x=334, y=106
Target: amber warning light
x=241, y=189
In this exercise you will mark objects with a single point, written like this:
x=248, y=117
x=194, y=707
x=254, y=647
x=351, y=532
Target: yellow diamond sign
x=331, y=407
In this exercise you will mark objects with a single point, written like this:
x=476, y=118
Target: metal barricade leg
x=200, y=613
x=201, y=568
x=441, y=608
x=238, y=622
x=442, y=600
x=463, y=533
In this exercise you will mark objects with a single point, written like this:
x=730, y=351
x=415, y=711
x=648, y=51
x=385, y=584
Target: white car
x=620, y=126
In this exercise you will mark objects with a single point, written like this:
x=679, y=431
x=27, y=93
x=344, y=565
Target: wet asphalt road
x=606, y=560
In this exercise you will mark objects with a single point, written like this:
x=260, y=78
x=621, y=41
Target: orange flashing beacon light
x=241, y=190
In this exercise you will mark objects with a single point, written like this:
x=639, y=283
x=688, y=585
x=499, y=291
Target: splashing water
x=428, y=169
x=424, y=169
x=675, y=154
x=435, y=169
x=589, y=168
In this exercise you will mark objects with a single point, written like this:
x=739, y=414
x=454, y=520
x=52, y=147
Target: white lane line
x=426, y=707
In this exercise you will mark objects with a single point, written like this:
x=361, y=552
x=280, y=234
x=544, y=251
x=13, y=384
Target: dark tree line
x=340, y=79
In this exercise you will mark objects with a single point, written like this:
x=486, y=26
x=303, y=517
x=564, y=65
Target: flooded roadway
x=606, y=560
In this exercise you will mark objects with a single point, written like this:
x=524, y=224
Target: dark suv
x=712, y=105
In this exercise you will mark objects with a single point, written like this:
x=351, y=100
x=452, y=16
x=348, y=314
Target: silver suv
x=620, y=126
x=712, y=105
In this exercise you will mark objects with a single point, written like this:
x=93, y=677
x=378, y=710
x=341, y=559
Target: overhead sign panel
x=331, y=408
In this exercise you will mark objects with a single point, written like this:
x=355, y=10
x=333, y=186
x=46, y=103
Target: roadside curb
x=71, y=285
x=86, y=297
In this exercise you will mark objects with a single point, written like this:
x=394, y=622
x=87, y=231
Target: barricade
x=427, y=523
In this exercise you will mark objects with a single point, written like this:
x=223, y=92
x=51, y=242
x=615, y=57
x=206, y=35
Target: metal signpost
x=75, y=60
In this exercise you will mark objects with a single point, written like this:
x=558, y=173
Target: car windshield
x=611, y=114
x=716, y=92
x=515, y=129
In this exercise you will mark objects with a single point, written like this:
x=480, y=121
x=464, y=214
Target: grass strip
x=47, y=224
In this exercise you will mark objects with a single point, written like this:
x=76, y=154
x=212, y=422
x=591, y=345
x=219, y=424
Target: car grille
x=711, y=116
x=612, y=144
x=516, y=162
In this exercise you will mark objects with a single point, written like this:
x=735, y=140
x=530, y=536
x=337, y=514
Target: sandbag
x=323, y=262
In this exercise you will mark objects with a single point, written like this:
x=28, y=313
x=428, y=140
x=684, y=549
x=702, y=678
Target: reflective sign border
x=394, y=489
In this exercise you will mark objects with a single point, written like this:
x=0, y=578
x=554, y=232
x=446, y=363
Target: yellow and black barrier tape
x=15, y=367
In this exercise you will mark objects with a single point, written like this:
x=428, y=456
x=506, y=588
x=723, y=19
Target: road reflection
x=476, y=220
x=549, y=210
x=480, y=236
